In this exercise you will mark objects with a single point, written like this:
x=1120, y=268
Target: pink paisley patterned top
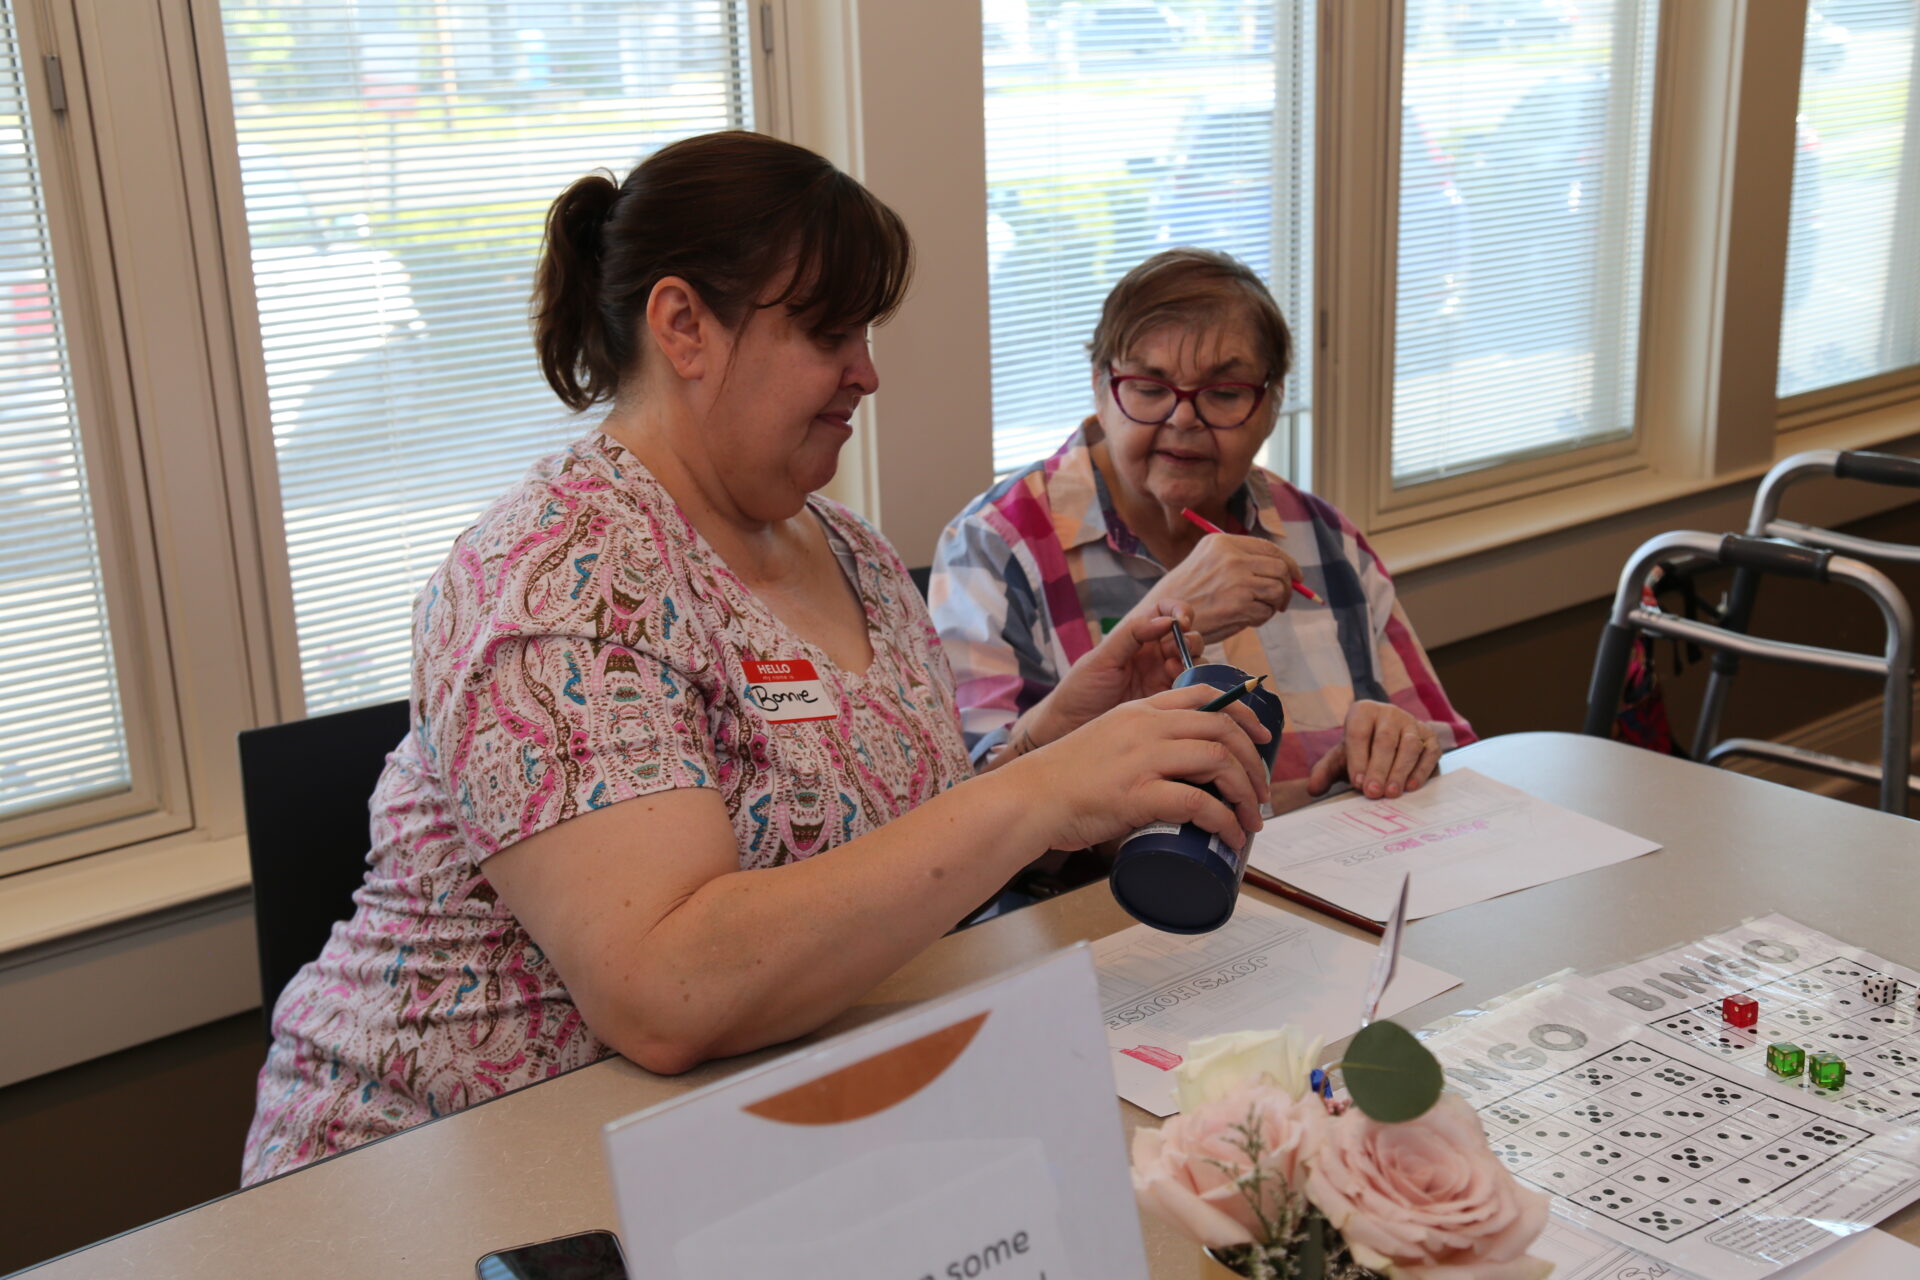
x=582, y=645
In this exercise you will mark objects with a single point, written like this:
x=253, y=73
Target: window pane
x=398, y=160
x=1523, y=172
x=1850, y=308
x=61, y=736
x=1116, y=130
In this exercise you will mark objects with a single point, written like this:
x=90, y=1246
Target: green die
x=1826, y=1070
x=1784, y=1058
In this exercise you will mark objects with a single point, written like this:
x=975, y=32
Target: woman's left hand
x=1137, y=659
x=1386, y=753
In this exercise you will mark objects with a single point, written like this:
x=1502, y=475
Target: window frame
x=1363, y=44
x=155, y=802
x=1825, y=405
x=1846, y=400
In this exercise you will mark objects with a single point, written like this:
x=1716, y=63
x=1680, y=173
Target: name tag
x=788, y=692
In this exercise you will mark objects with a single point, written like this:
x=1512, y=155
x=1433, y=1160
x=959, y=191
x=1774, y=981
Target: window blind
x=1524, y=138
x=398, y=160
x=61, y=732
x=1851, y=310
x=1115, y=130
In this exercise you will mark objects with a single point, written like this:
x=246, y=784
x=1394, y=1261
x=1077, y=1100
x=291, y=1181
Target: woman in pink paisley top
x=685, y=776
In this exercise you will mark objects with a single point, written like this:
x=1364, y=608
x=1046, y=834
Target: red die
x=1740, y=1011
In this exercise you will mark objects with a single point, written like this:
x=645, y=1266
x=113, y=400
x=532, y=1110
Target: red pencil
x=1313, y=902
x=1209, y=526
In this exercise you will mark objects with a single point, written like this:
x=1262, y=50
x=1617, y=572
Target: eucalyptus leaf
x=1391, y=1075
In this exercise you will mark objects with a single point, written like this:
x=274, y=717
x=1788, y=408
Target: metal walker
x=1753, y=556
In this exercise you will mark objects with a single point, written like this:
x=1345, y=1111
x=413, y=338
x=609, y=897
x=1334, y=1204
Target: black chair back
x=305, y=785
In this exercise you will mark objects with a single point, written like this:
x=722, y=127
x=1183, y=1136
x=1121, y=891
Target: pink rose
x=1427, y=1199
x=1191, y=1170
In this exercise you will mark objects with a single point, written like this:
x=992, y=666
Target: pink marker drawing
x=1154, y=1056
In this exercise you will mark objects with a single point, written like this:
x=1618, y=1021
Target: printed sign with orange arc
x=871, y=1085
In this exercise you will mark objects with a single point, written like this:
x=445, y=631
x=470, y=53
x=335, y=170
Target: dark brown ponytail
x=575, y=347
x=732, y=214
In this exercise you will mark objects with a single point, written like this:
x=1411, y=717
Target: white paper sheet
x=1464, y=837
x=1578, y=1254
x=1659, y=1127
x=1262, y=970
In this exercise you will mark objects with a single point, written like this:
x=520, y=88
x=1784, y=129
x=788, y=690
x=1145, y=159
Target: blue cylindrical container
x=1183, y=879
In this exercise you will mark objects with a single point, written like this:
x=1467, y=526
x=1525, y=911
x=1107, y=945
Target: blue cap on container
x=1182, y=880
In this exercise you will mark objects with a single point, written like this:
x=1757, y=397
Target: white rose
x=1219, y=1065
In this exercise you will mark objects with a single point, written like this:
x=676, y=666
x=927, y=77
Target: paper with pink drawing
x=1464, y=837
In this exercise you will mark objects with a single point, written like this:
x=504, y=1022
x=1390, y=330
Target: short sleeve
x=992, y=628
x=543, y=728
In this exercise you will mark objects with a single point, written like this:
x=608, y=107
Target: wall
x=96, y=1149
x=118, y=1141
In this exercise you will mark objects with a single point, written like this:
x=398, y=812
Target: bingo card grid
x=1821, y=1009
x=1658, y=1145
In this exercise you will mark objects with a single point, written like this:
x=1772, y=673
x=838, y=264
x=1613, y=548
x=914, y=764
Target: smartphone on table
x=586, y=1255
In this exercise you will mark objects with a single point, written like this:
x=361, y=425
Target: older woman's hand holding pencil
x=1229, y=582
x=1207, y=526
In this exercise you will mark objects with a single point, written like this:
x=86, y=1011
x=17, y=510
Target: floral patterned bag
x=1642, y=720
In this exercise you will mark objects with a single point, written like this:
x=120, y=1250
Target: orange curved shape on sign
x=871, y=1085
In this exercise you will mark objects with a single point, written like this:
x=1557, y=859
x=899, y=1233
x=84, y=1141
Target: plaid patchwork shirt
x=1035, y=570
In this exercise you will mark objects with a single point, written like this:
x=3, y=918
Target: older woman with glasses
x=1040, y=572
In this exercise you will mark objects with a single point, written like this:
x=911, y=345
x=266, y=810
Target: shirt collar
x=1257, y=494
x=1082, y=508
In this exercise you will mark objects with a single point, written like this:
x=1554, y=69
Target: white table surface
x=528, y=1166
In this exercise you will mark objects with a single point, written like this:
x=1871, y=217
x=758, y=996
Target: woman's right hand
x=1231, y=581
x=1132, y=766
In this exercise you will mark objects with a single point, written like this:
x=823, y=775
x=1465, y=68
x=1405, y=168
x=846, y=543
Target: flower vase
x=1216, y=1267
x=1213, y=1269
x=1293, y=1266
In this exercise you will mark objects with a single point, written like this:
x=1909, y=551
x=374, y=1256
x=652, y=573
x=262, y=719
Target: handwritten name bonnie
x=1179, y=993
x=768, y=698
x=787, y=691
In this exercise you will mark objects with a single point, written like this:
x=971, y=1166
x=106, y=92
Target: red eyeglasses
x=1220, y=406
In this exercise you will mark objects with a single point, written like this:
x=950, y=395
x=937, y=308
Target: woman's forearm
x=757, y=957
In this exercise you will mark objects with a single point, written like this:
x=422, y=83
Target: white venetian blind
x=1118, y=129
x=1852, y=308
x=398, y=161
x=1523, y=174
x=61, y=734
